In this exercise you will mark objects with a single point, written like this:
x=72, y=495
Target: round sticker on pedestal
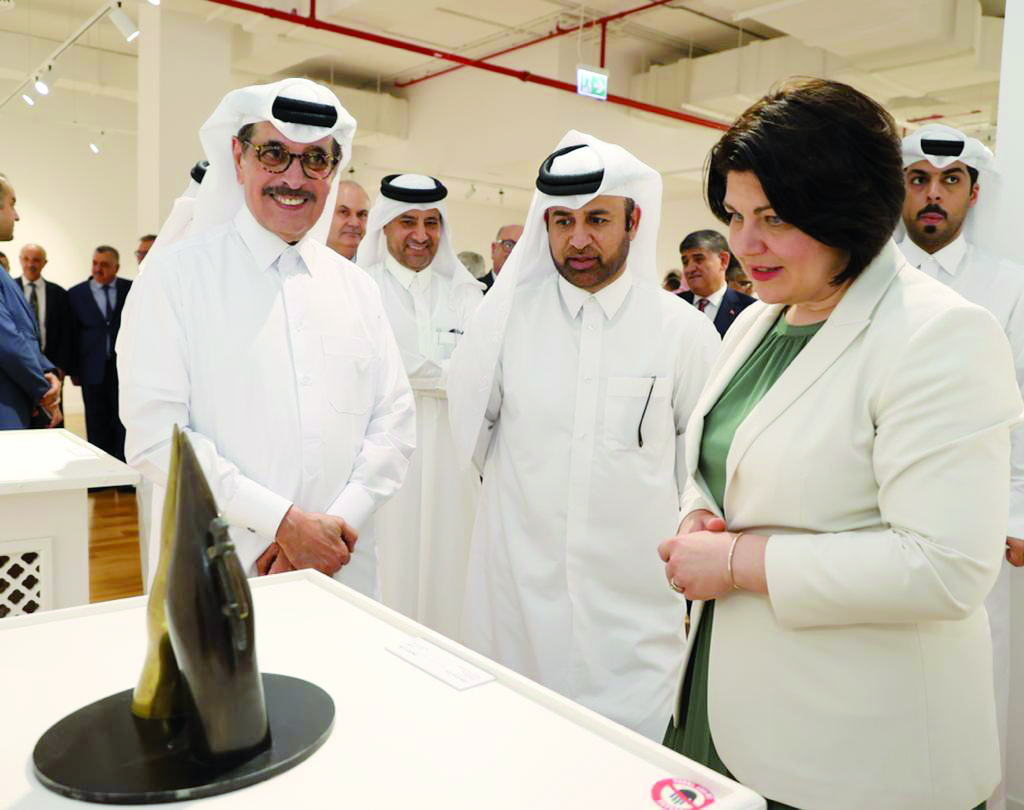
x=681, y=794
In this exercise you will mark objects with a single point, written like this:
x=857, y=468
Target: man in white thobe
x=269, y=348
x=947, y=174
x=571, y=390
x=429, y=296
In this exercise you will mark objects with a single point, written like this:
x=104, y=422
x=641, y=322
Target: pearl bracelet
x=732, y=551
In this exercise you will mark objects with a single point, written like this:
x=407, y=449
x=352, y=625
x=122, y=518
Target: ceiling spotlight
x=28, y=99
x=94, y=148
x=41, y=87
x=129, y=30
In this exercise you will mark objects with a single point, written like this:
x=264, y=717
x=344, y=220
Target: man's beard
x=933, y=237
x=602, y=270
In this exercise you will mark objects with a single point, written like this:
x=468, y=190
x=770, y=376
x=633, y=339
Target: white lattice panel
x=26, y=576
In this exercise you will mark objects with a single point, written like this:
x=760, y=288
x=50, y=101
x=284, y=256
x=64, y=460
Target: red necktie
x=702, y=303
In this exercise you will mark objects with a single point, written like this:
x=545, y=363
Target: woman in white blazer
x=846, y=507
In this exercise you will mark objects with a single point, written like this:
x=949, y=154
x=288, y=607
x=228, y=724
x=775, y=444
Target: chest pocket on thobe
x=447, y=340
x=350, y=366
x=625, y=417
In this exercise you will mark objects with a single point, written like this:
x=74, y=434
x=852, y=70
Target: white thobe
x=423, y=533
x=279, y=362
x=582, y=481
x=997, y=285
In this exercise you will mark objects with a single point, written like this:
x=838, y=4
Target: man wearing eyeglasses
x=269, y=348
x=501, y=247
x=145, y=243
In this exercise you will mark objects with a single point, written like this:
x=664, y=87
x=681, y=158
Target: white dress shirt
x=279, y=362
x=581, y=483
x=714, y=301
x=424, y=531
x=26, y=288
x=997, y=285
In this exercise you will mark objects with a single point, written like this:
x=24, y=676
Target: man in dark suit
x=96, y=307
x=705, y=256
x=29, y=386
x=50, y=307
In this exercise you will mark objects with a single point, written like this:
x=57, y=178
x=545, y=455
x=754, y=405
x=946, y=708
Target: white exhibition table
x=402, y=738
x=44, y=513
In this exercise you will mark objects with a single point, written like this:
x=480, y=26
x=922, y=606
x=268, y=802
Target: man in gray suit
x=29, y=386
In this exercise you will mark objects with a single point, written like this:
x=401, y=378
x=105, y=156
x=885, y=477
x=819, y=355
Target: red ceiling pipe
x=558, y=32
x=522, y=75
x=936, y=116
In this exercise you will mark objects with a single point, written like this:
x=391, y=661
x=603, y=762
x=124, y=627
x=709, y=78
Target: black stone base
x=103, y=753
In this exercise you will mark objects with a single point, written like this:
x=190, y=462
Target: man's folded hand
x=312, y=540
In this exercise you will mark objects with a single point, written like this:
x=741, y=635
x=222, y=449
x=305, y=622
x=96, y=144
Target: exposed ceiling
x=923, y=58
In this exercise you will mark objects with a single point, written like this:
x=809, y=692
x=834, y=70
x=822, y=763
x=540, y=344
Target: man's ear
x=973, y=199
x=725, y=257
x=634, y=222
x=236, y=153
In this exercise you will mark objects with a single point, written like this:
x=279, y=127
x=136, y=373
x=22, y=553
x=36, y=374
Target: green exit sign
x=592, y=82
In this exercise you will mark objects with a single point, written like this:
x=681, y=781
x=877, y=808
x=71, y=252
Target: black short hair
x=972, y=173
x=245, y=135
x=829, y=161
x=709, y=240
x=672, y=281
x=108, y=249
x=149, y=237
x=734, y=270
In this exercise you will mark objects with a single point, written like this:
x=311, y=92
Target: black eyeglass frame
x=507, y=244
x=258, y=148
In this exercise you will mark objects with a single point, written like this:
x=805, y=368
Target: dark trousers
x=102, y=423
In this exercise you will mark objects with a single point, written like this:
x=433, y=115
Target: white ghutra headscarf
x=301, y=110
x=580, y=169
x=943, y=146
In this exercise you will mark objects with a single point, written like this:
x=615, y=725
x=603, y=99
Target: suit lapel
x=849, y=319
x=19, y=285
x=726, y=312
x=91, y=301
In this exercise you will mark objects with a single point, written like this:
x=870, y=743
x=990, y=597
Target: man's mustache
x=932, y=208
x=284, y=191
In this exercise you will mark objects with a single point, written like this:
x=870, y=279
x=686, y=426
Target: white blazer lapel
x=844, y=325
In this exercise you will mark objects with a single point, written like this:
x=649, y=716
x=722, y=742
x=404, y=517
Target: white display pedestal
x=44, y=516
x=402, y=737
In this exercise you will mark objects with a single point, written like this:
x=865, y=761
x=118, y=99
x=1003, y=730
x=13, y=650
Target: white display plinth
x=402, y=738
x=44, y=516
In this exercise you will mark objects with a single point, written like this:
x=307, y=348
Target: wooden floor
x=114, y=571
